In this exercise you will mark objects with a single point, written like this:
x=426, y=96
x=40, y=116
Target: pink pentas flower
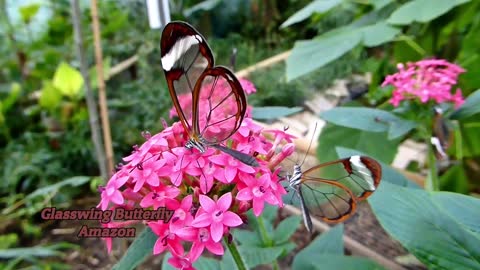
x=111, y=192
x=430, y=79
x=216, y=215
x=167, y=238
x=181, y=262
x=163, y=173
x=257, y=190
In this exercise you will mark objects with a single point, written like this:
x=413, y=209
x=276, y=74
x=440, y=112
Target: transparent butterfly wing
x=331, y=190
x=219, y=105
x=185, y=56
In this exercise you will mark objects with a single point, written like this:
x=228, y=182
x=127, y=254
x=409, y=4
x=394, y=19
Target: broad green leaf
x=138, y=251
x=379, y=4
x=202, y=6
x=315, y=6
x=73, y=181
x=309, y=55
x=373, y=144
x=455, y=179
x=28, y=12
x=366, y=119
x=247, y=238
x=273, y=112
x=204, y=263
x=378, y=34
x=388, y=173
x=425, y=228
x=464, y=209
x=68, y=80
x=254, y=256
x=50, y=96
x=329, y=242
x=336, y=261
x=422, y=11
x=286, y=229
x=469, y=108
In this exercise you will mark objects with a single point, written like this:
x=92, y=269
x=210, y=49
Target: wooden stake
x=91, y=104
x=107, y=137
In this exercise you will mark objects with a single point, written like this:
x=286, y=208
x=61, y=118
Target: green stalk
x=432, y=179
x=232, y=247
x=263, y=232
x=458, y=141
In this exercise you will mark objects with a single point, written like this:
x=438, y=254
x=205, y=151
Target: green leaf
x=368, y=142
x=335, y=261
x=469, y=108
x=247, y=238
x=286, y=229
x=254, y=256
x=50, y=96
x=378, y=34
x=107, y=64
x=202, y=6
x=28, y=12
x=72, y=181
x=425, y=228
x=422, y=11
x=206, y=264
x=379, y=4
x=68, y=80
x=388, y=173
x=455, y=179
x=330, y=242
x=12, y=97
x=309, y=55
x=315, y=6
x=366, y=119
x=464, y=209
x=37, y=251
x=470, y=128
x=138, y=251
x=273, y=112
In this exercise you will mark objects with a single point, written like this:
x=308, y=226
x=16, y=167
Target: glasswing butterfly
x=330, y=191
x=218, y=103
x=442, y=135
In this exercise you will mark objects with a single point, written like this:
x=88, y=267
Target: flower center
x=203, y=235
x=258, y=191
x=218, y=216
x=180, y=214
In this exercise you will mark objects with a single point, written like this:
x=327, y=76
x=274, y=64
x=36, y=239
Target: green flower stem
x=458, y=141
x=432, y=179
x=263, y=232
x=239, y=261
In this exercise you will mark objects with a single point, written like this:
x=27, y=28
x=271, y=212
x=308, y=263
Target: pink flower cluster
x=430, y=79
x=209, y=192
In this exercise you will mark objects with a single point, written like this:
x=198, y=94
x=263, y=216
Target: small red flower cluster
x=210, y=192
x=430, y=79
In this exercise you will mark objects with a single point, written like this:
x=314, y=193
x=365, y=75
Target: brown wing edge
x=371, y=164
x=172, y=32
x=236, y=89
x=342, y=216
x=376, y=170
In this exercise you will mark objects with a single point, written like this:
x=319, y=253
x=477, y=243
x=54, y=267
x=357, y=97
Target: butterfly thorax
x=197, y=144
x=295, y=180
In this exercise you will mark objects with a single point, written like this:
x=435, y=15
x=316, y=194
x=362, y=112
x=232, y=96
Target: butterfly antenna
x=233, y=58
x=310, y=144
